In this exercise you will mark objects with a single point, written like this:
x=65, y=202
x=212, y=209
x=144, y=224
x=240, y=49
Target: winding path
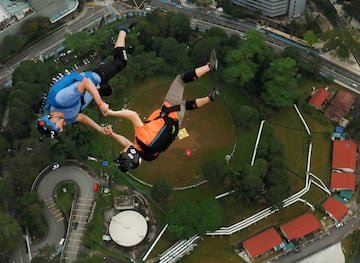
x=45, y=188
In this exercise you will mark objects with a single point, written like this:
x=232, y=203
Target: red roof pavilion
x=339, y=107
x=300, y=226
x=342, y=181
x=335, y=208
x=319, y=97
x=262, y=242
x=344, y=155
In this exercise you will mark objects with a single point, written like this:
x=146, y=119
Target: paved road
x=49, y=43
x=56, y=224
x=329, y=238
x=46, y=191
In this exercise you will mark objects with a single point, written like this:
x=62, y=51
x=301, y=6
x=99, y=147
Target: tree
x=4, y=145
x=80, y=42
x=240, y=69
x=179, y=28
x=310, y=37
x=14, y=43
x=161, y=191
x=194, y=218
x=35, y=27
x=202, y=49
x=174, y=53
x=247, y=116
x=245, y=63
x=204, y=3
x=146, y=65
x=10, y=233
x=252, y=180
x=29, y=209
x=354, y=127
x=280, y=83
x=158, y=23
x=215, y=171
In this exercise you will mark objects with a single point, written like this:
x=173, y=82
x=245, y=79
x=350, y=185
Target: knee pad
x=105, y=89
x=189, y=76
x=190, y=105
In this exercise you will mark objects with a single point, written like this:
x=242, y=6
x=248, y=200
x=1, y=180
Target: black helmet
x=128, y=160
x=46, y=127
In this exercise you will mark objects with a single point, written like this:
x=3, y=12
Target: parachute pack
x=165, y=136
x=62, y=83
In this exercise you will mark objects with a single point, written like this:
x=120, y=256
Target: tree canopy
x=194, y=218
x=10, y=233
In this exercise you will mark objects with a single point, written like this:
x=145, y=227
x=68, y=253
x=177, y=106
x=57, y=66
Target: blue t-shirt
x=68, y=95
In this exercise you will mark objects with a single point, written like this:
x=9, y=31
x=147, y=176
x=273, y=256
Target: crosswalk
x=54, y=210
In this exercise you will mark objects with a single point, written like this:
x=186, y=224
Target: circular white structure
x=128, y=228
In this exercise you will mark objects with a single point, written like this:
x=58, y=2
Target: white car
x=339, y=224
x=55, y=166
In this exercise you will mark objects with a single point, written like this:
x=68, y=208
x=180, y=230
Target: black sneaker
x=215, y=92
x=126, y=25
x=213, y=62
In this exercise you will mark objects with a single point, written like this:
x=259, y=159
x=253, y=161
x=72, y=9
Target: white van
x=354, y=85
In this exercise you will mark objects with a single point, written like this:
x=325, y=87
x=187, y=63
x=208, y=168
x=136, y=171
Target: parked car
x=297, y=250
x=339, y=224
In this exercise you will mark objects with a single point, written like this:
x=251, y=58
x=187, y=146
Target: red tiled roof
x=342, y=181
x=335, y=208
x=319, y=98
x=262, y=242
x=300, y=226
x=344, y=155
x=339, y=107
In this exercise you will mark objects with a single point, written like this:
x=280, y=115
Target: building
x=318, y=99
x=274, y=8
x=128, y=228
x=124, y=202
x=262, y=243
x=335, y=209
x=296, y=8
x=344, y=156
x=12, y=12
x=342, y=181
x=339, y=106
x=300, y=227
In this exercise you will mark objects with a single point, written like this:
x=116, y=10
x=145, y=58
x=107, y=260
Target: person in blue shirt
x=67, y=104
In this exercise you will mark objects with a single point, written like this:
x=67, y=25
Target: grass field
x=212, y=136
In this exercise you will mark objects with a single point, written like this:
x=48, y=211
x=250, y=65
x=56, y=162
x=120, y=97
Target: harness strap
x=166, y=110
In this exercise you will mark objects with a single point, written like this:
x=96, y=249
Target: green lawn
x=291, y=132
x=65, y=193
x=212, y=136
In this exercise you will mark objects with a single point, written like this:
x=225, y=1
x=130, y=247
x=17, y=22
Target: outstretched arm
x=88, y=85
x=86, y=120
x=117, y=137
x=127, y=114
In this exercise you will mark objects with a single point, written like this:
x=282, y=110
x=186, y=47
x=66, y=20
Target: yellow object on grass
x=182, y=133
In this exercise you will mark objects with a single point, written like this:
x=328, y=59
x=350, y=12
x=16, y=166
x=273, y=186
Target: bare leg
x=202, y=101
x=120, y=41
x=201, y=71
